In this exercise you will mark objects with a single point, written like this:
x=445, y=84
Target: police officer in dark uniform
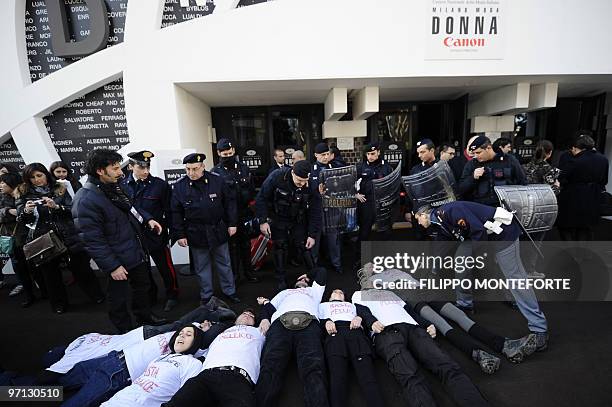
x=331, y=238
x=204, y=217
x=288, y=209
x=426, y=150
x=373, y=166
x=151, y=195
x=237, y=177
x=470, y=221
x=487, y=170
x=336, y=157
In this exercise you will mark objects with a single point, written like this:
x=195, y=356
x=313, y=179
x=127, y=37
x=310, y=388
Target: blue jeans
x=99, y=379
x=509, y=261
x=222, y=264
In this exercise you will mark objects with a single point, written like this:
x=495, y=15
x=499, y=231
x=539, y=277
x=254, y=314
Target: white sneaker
x=16, y=291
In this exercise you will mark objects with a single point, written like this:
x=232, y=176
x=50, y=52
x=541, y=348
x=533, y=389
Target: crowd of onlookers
x=33, y=202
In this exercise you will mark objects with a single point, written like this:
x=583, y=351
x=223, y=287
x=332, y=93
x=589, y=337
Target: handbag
x=7, y=242
x=44, y=248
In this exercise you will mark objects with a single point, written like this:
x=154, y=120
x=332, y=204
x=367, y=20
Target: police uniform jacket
x=151, y=198
x=280, y=200
x=366, y=172
x=238, y=178
x=202, y=210
x=420, y=167
x=503, y=169
x=463, y=220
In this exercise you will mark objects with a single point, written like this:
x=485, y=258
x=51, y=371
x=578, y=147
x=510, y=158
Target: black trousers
x=51, y=275
x=84, y=276
x=163, y=260
x=22, y=271
x=213, y=387
x=403, y=347
x=284, y=234
x=280, y=344
x=119, y=292
x=240, y=252
x=351, y=347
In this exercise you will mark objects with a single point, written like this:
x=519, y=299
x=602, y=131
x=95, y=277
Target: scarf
x=117, y=196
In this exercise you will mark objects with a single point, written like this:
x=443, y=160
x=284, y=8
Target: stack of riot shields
x=535, y=205
x=432, y=187
x=339, y=202
x=386, y=192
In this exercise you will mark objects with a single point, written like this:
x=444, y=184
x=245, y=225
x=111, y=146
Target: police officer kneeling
x=204, y=218
x=289, y=209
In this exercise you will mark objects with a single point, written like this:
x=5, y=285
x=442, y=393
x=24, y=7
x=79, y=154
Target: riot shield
x=535, y=205
x=386, y=192
x=432, y=187
x=339, y=202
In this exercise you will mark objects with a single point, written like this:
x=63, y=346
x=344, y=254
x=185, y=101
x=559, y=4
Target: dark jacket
x=280, y=200
x=462, y=220
x=275, y=167
x=59, y=220
x=151, y=198
x=238, y=178
x=202, y=210
x=420, y=167
x=583, y=179
x=541, y=172
x=8, y=222
x=109, y=235
x=503, y=169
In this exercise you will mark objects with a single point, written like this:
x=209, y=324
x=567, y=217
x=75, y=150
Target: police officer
x=288, y=209
x=336, y=158
x=426, y=150
x=370, y=168
x=238, y=179
x=487, y=170
x=151, y=195
x=331, y=237
x=204, y=218
x=462, y=221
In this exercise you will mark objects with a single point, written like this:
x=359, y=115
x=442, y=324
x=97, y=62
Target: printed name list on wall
x=9, y=153
x=97, y=119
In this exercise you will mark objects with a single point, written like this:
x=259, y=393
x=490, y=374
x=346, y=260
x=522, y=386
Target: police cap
x=142, y=158
x=478, y=142
x=426, y=142
x=321, y=148
x=194, y=158
x=224, y=144
x=371, y=146
x=302, y=169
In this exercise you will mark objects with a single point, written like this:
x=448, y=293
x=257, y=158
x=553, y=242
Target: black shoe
x=216, y=303
x=206, y=302
x=100, y=300
x=59, y=309
x=282, y=285
x=28, y=302
x=225, y=314
x=295, y=262
x=155, y=320
x=234, y=298
x=251, y=277
x=512, y=304
x=171, y=303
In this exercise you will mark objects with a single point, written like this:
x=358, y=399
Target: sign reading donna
x=465, y=29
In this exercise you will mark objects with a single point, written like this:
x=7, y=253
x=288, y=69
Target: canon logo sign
x=463, y=42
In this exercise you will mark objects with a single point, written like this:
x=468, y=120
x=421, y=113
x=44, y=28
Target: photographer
x=43, y=205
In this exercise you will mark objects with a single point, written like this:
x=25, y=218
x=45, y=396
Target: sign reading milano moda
x=466, y=29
